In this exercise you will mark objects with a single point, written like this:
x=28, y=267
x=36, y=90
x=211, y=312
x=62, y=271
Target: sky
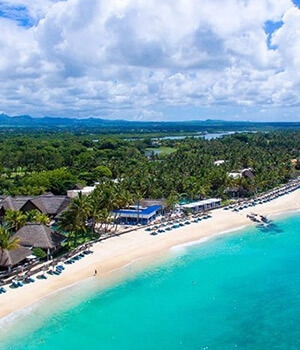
x=151, y=59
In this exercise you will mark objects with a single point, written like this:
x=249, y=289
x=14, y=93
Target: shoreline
x=111, y=256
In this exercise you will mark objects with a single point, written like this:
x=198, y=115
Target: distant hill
x=125, y=126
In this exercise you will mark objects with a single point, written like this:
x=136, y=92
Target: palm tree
x=171, y=201
x=138, y=196
x=73, y=220
x=7, y=242
x=15, y=219
x=100, y=199
x=105, y=219
x=37, y=216
x=122, y=199
x=95, y=216
x=67, y=223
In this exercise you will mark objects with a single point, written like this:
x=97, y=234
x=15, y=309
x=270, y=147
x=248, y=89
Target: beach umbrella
x=30, y=257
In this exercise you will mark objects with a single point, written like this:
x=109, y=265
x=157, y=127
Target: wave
x=285, y=213
x=79, y=288
x=182, y=247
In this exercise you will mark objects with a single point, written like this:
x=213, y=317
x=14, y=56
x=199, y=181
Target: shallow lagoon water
x=236, y=291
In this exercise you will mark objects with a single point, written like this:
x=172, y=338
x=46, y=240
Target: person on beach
x=95, y=274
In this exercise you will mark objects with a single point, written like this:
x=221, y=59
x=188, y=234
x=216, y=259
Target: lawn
x=161, y=150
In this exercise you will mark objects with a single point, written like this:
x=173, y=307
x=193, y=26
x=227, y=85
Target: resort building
x=137, y=214
x=235, y=191
x=48, y=204
x=34, y=235
x=246, y=173
x=12, y=258
x=84, y=190
x=203, y=205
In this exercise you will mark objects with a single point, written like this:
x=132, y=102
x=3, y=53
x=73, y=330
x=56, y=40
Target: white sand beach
x=114, y=253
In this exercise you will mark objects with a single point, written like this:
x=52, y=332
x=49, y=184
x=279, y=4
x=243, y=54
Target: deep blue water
x=236, y=291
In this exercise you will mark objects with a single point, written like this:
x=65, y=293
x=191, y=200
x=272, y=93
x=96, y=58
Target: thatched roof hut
x=10, y=258
x=48, y=204
x=39, y=236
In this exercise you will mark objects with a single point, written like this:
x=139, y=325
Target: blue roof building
x=137, y=214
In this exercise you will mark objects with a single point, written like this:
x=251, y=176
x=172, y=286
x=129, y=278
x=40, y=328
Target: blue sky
x=16, y=13
x=151, y=59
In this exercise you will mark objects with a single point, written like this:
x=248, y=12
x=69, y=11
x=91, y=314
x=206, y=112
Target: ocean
x=236, y=291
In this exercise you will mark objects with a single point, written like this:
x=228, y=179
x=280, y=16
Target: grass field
x=161, y=150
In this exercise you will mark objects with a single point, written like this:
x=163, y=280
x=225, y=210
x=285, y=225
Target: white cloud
x=132, y=58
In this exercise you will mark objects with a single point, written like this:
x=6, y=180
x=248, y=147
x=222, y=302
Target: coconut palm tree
x=36, y=216
x=15, y=219
x=138, y=196
x=171, y=201
x=122, y=198
x=7, y=242
x=73, y=220
x=100, y=199
x=105, y=219
x=67, y=223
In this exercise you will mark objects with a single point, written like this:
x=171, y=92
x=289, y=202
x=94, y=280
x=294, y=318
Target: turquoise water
x=239, y=291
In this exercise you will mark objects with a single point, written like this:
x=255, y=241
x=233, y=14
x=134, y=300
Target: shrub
x=39, y=253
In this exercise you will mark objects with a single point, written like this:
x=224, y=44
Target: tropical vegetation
x=125, y=173
x=32, y=164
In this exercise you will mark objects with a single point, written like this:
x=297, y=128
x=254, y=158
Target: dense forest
x=38, y=162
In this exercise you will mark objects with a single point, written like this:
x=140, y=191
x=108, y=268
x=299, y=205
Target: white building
x=136, y=214
x=203, y=205
x=85, y=190
x=246, y=172
x=235, y=175
x=219, y=162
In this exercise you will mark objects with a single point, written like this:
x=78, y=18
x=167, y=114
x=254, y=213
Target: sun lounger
x=29, y=280
x=42, y=277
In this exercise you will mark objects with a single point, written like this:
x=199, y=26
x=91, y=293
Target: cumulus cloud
x=137, y=58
